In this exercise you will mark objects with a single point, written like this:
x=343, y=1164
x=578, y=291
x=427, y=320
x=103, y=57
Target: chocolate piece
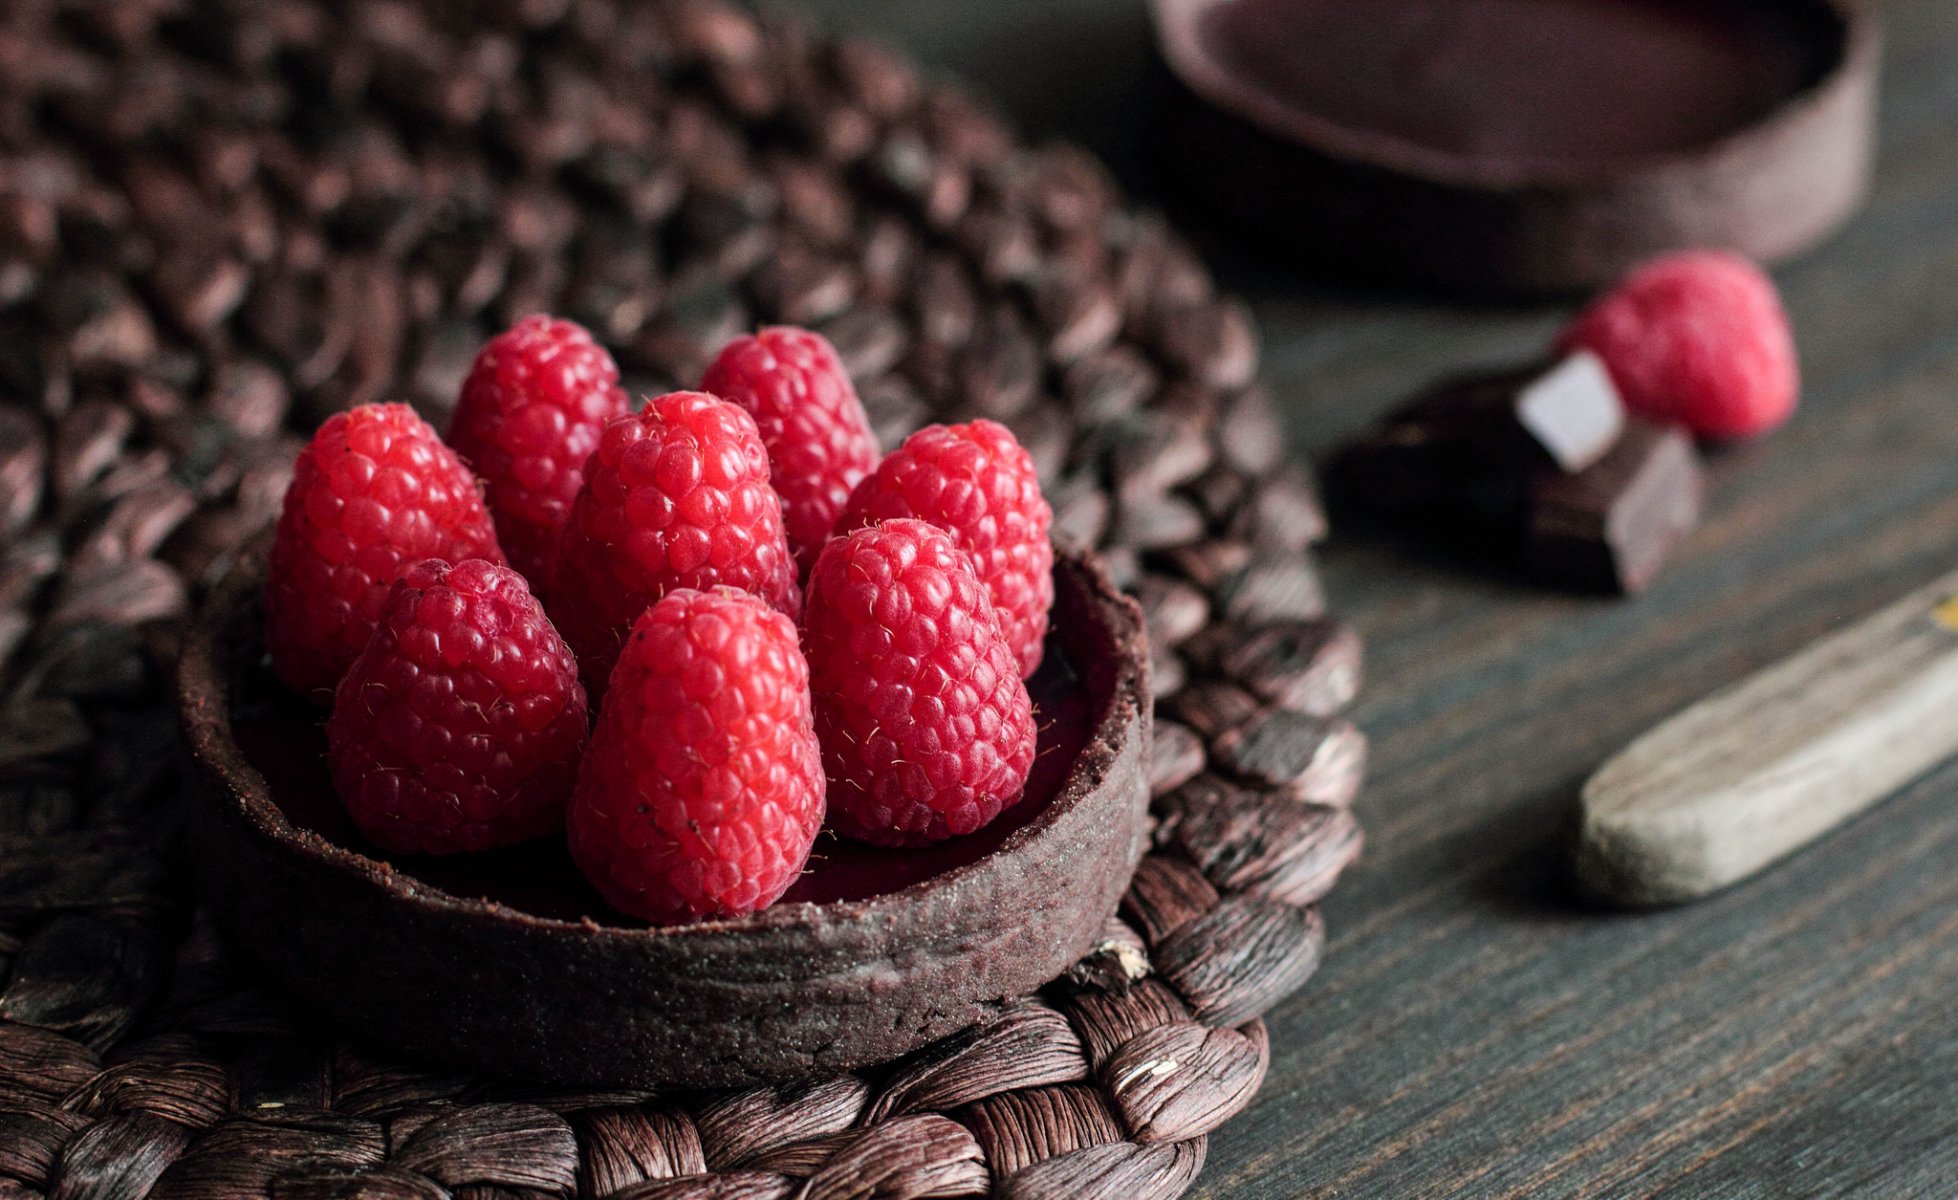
x=1572, y=411
x=1474, y=438
x=1529, y=146
x=1441, y=448
x=1612, y=526
x=1601, y=497
x=498, y=956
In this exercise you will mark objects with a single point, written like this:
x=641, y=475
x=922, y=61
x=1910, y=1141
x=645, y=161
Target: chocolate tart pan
x=798, y=990
x=1375, y=207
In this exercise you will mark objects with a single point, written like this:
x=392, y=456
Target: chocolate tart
x=1532, y=146
x=509, y=963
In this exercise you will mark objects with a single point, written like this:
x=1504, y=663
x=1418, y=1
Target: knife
x=1747, y=776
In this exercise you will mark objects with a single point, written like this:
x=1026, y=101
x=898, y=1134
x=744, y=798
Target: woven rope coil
x=220, y=221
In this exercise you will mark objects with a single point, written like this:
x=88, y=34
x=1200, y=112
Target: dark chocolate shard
x=1611, y=527
x=1476, y=438
x=1439, y=448
x=1572, y=411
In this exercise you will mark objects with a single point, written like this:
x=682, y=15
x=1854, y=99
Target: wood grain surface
x=1476, y=1032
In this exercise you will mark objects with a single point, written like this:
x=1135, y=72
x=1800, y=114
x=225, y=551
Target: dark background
x=1474, y=1032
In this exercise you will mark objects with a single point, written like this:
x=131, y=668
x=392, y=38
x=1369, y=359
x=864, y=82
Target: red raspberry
x=926, y=728
x=373, y=493
x=703, y=788
x=818, y=437
x=978, y=482
x=1697, y=339
x=459, y=727
x=530, y=415
x=675, y=497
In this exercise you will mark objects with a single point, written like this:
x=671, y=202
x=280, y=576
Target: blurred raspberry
x=926, y=728
x=460, y=726
x=373, y=493
x=976, y=481
x=530, y=414
x=703, y=789
x=818, y=438
x=675, y=497
x=1697, y=339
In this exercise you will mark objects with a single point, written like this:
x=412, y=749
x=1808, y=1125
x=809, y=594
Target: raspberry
x=459, y=727
x=530, y=414
x=978, y=482
x=373, y=493
x=818, y=437
x=1697, y=339
x=926, y=728
x=703, y=788
x=674, y=497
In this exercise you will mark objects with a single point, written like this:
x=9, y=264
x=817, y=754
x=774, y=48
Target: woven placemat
x=221, y=219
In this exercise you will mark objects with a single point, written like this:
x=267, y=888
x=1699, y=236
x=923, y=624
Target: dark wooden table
x=1474, y=1031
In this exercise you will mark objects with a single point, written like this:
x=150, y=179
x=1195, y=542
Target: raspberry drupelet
x=676, y=496
x=373, y=493
x=926, y=727
x=818, y=436
x=977, y=482
x=702, y=791
x=460, y=725
x=530, y=414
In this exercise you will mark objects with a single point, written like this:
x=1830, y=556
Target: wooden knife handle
x=1748, y=775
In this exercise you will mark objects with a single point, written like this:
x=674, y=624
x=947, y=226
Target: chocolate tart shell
x=795, y=991
x=1375, y=208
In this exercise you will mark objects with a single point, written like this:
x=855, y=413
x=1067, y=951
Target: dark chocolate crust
x=795, y=991
x=1375, y=208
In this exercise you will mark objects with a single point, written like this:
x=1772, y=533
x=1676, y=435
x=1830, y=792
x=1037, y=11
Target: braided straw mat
x=222, y=219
